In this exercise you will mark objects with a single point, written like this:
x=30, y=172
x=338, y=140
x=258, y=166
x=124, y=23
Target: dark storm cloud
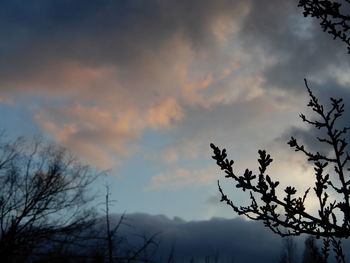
x=298, y=44
x=117, y=57
x=42, y=34
x=39, y=34
x=308, y=135
x=301, y=50
x=224, y=239
x=229, y=239
x=125, y=63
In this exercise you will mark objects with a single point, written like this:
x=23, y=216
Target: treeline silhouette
x=48, y=213
x=46, y=210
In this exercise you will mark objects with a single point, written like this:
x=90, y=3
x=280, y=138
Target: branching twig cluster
x=333, y=19
x=286, y=215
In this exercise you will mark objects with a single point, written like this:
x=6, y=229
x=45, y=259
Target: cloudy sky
x=141, y=87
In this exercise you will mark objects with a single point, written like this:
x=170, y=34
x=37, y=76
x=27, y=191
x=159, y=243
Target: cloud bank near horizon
x=226, y=240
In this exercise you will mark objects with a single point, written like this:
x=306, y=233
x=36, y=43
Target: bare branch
x=286, y=215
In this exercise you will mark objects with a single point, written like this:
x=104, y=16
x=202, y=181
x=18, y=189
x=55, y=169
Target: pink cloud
x=101, y=94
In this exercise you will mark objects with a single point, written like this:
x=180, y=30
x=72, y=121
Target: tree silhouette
x=114, y=244
x=287, y=215
x=311, y=252
x=43, y=198
x=333, y=15
x=288, y=250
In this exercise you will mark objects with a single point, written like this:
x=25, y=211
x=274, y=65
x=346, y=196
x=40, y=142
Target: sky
x=140, y=88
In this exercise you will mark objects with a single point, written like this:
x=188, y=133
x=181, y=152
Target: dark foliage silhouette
x=333, y=17
x=43, y=198
x=286, y=215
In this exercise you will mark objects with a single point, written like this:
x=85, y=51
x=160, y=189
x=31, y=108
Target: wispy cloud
x=181, y=177
x=108, y=72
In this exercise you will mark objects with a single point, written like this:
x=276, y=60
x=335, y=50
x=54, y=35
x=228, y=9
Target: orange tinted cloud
x=96, y=131
x=103, y=89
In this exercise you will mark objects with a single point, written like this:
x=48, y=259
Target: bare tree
x=110, y=233
x=43, y=197
x=287, y=215
x=333, y=17
x=115, y=247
